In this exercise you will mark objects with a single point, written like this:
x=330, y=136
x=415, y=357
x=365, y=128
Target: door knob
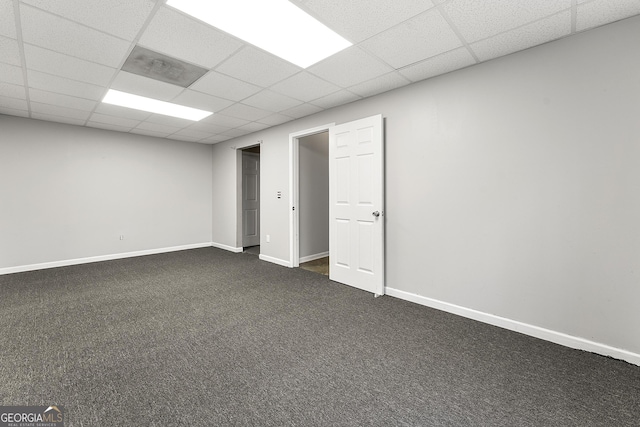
x=376, y=214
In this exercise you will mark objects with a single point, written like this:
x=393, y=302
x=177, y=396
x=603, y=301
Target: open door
x=250, y=199
x=356, y=204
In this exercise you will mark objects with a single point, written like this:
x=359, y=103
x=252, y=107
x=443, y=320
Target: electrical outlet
x=268, y=238
x=121, y=237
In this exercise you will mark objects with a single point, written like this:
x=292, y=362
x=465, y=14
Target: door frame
x=294, y=189
x=239, y=190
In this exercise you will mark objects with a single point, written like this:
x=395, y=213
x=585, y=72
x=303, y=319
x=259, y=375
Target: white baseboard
x=282, y=262
x=226, y=247
x=77, y=261
x=524, y=328
x=313, y=257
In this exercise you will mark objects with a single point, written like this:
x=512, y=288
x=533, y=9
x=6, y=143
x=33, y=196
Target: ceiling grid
x=59, y=59
x=23, y=63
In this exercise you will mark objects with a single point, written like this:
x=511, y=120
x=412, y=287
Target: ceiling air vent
x=157, y=66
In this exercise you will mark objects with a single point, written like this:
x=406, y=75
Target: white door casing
x=356, y=204
x=294, y=184
x=250, y=199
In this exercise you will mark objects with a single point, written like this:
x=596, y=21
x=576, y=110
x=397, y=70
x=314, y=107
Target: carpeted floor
x=207, y=337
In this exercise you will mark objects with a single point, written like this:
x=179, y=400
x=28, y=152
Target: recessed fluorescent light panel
x=277, y=26
x=136, y=102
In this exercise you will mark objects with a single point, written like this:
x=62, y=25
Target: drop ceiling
x=59, y=58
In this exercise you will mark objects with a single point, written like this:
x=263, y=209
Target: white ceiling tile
x=174, y=34
x=146, y=132
x=184, y=138
x=380, y=84
x=74, y=37
x=189, y=133
x=174, y=122
x=305, y=87
x=57, y=119
x=209, y=128
x=55, y=33
x=302, y=110
x=257, y=67
x=234, y=133
x=108, y=126
x=200, y=100
x=143, y=86
x=45, y=97
x=122, y=112
x=253, y=127
x=14, y=103
x=12, y=91
x=64, y=86
x=11, y=74
x=477, y=20
x=13, y=112
x=275, y=119
x=271, y=101
x=357, y=20
x=56, y=110
x=122, y=18
x=7, y=19
x=349, y=67
x=246, y=112
x=223, y=120
x=533, y=34
x=217, y=84
x=414, y=40
x=335, y=99
x=440, y=64
x=215, y=139
x=156, y=128
x=600, y=12
x=9, y=51
x=112, y=120
x=50, y=62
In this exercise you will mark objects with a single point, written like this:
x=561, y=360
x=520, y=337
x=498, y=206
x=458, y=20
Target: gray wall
x=513, y=187
x=313, y=203
x=69, y=192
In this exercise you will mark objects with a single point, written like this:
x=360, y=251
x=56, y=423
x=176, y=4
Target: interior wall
x=313, y=201
x=70, y=192
x=513, y=186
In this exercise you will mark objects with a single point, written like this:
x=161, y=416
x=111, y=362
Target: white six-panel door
x=356, y=203
x=250, y=199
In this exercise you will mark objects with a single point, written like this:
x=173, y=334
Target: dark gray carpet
x=206, y=337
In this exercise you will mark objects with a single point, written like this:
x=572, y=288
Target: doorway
x=251, y=199
x=356, y=202
x=313, y=202
x=294, y=190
